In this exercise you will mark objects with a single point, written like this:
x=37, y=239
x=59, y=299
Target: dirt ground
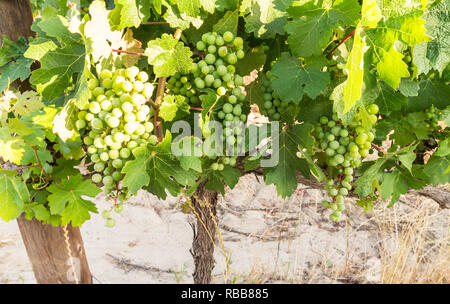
x=263, y=239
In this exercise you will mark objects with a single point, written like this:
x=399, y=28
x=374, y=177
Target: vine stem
x=39, y=162
x=128, y=52
x=159, y=96
x=154, y=22
x=23, y=168
x=197, y=109
x=339, y=44
x=378, y=148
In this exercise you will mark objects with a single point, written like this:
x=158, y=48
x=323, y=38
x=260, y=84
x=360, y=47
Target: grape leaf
x=58, y=66
x=14, y=194
x=393, y=185
x=265, y=18
x=293, y=80
x=155, y=169
x=172, y=105
x=437, y=170
x=438, y=27
x=216, y=179
x=283, y=175
x=27, y=102
x=313, y=23
x=11, y=147
x=254, y=59
x=129, y=13
x=66, y=199
x=389, y=100
x=168, y=56
x=228, y=22
x=99, y=31
x=365, y=183
x=431, y=92
x=13, y=64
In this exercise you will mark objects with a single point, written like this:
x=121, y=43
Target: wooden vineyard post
x=57, y=257
x=56, y=253
x=204, y=204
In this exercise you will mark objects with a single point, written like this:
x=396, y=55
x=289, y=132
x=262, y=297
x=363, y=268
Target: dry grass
x=412, y=251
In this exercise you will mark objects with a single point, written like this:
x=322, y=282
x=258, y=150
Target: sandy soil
x=265, y=239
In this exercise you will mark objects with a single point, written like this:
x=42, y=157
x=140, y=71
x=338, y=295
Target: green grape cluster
x=115, y=122
x=216, y=69
x=272, y=106
x=106, y=214
x=342, y=148
x=432, y=117
x=181, y=84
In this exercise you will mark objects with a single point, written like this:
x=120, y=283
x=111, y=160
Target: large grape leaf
x=217, y=179
x=283, y=175
x=98, y=30
x=11, y=147
x=155, y=169
x=60, y=65
x=374, y=44
x=66, y=199
x=168, y=56
x=265, y=18
x=13, y=64
x=172, y=105
x=293, y=80
x=129, y=13
x=437, y=51
x=431, y=92
x=228, y=22
x=389, y=100
x=13, y=193
x=313, y=23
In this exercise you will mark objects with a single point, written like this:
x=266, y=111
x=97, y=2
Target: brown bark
x=49, y=254
x=15, y=18
x=204, y=203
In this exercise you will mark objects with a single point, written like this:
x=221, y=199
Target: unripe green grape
x=113, y=154
x=153, y=140
x=138, y=99
x=104, y=156
x=237, y=110
x=361, y=138
x=125, y=153
x=215, y=166
x=127, y=107
x=333, y=192
x=348, y=171
x=106, y=105
x=221, y=115
x=373, y=119
x=98, y=91
x=92, y=150
x=240, y=54
x=199, y=83
x=113, y=122
x=331, y=124
x=372, y=109
x=80, y=124
x=229, y=117
x=227, y=108
x=221, y=91
x=131, y=145
x=107, y=83
x=99, y=167
x=232, y=58
x=97, y=123
x=117, y=163
x=343, y=191
x=201, y=46
x=228, y=36
x=330, y=152
x=92, y=83
x=142, y=76
x=119, y=207
x=110, y=223
x=148, y=90
x=238, y=42
x=138, y=86
x=222, y=70
x=210, y=58
x=94, y=107
x=340, y=199
x=96, y=178
x=132, y=72
x=140, y=130
x=211, y=40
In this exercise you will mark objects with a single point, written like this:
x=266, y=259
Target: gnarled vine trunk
x=57, y=254
x=204, y=203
